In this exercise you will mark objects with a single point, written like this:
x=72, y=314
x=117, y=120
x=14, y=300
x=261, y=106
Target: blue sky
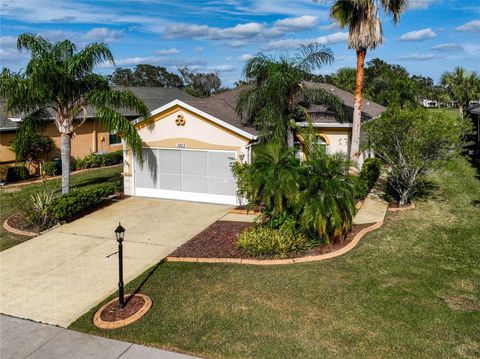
x=218, y=35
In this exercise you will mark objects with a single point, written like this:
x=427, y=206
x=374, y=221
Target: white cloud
x=418, y=57
x=305, y=22
x=418, y=35
x=171, y=51
x=448, y=47
x=246, y=57
x=8, y=41
x=154, y=60
x=294, y=43
x=469, y=26
x=419, y=4
x=103, y=34
x=198, y=49
x=221, y=68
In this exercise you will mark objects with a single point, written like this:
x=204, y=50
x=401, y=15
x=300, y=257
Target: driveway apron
x=56, y=277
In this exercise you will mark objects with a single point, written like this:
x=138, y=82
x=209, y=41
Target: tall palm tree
x=277, y=95
x=461, y=86
x=58, y=84
x=365, y=33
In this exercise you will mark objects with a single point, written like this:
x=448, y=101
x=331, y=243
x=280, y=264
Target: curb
x=121, y=323
x=402, y=209
x=10, y=229
x=267, y=262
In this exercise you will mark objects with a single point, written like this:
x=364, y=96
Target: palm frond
x=117, y=100
x=35, y=44
x=313, y=56
x=85, y=60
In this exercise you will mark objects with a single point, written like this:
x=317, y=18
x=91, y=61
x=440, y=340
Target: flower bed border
x=102, y=324
x=13, y=230
x=267, y=262
x=402, y=209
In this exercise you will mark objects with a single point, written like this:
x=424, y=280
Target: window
x=323, y=142
x=113, y=138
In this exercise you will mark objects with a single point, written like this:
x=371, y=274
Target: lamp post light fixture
x=120, y=234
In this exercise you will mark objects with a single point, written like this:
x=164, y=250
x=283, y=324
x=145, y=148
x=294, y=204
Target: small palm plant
x=274, y=178
x=327, y=203
x=59, y=85
x=40, y=205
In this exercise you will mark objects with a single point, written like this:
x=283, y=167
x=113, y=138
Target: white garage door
x=193, y=175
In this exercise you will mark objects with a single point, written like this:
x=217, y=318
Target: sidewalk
x=374, y=207
x=20, y=338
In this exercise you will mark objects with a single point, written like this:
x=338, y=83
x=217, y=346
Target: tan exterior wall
x=338, y=139
x=88, y=138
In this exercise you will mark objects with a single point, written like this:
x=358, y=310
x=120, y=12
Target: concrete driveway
x=56, y=277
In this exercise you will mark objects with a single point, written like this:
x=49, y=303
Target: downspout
x=94, y=136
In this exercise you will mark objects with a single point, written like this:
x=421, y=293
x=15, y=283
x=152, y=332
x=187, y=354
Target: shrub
x=265, y=241
x=17, y=173
x=40, y=214
x=79, y=200
x=94, y=160
x=32, y=146
x=50, y=169
x=371, y=171
x=360, y=187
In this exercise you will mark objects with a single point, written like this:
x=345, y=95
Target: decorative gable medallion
x=180, y=120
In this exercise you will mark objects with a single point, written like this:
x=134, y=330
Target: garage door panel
x=170, y=161
x=194, y=163
x=222, y=186
x=170, y=182
x=195, y=184
x=219, y=164
x=146, y=180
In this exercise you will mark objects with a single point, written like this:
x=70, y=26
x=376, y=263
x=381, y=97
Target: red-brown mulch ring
x=395, y=207
x=17, y=223
x=110, y=316
x=218, y=241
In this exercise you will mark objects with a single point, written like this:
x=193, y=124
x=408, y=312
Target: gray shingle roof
x=475, y=110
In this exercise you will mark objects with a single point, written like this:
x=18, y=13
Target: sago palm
x=277, y=94
x=327, y=198
x=274, y=177
x=461, y=86
x=59, y=85
x=365, y=33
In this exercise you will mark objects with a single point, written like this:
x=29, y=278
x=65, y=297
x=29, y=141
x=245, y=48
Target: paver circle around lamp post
x=119, y=312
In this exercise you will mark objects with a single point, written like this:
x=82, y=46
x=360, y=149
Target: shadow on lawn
x=145, y=280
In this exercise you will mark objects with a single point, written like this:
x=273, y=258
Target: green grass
x=409, y=290
x=451, y=111
x=11, y=201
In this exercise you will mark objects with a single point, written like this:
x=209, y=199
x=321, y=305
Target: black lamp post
x=120, y=234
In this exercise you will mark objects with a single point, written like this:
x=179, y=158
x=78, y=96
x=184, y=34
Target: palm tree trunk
x=357, y=107
x=460, y=110
x=65, y=150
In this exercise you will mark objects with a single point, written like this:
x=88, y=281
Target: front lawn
x=409, y=290
x=12, y=198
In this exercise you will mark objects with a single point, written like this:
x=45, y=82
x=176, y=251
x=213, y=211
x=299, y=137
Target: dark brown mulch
x=112, y=313
x=20, y=221
x=218, y=241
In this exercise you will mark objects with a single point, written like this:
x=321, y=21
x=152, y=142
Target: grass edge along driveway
x=409, y=290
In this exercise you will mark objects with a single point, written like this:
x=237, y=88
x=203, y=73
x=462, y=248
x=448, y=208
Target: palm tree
x=58, y=84
x=276, y=95
x=461, y=86
x=365, y=32
x=327, y=199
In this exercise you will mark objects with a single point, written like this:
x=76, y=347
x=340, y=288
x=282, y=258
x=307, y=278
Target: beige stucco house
x=189, y=145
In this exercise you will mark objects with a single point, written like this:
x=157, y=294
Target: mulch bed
x=112, y=313
x=218, y=241
x=19, y=221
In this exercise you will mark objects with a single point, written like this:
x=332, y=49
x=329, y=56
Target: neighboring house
x=91, y=137
x=474, y=113
x=189, y=145
x=429, y=103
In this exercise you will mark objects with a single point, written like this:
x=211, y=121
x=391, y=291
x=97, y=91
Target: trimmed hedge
x=371, y=171
x=17, y=173
x=51, y=169
x=94, y=160
x=78, y=200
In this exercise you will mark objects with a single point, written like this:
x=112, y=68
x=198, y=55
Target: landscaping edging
x=401, y=209
x=316, y=258
x=100, y=323
x=10, y=229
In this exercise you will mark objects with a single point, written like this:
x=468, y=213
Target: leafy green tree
x=462, y=87
x=412, y=142
x=278, y=95
x=32, y=148
x=58, y=85
x=327, y=197
x=344, y=79
x=365, y=32
x=200, y=84
x=145, y=75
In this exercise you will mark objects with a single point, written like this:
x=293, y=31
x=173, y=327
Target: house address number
x=181, y=145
